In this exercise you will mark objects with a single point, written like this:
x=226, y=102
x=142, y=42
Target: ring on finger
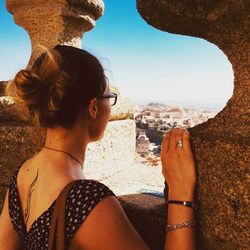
x=179, y=143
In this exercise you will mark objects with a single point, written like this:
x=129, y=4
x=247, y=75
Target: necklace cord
x=70, y=155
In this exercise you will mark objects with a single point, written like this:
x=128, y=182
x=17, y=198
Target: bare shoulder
x=107, y=227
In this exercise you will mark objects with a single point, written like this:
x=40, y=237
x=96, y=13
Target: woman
x=66, y=92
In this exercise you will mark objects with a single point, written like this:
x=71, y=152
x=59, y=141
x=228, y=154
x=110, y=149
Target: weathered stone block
x=221, y=145
x=148, y=216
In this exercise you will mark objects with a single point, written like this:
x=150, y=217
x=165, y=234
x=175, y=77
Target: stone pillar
x=51, y=22
x=221, y=145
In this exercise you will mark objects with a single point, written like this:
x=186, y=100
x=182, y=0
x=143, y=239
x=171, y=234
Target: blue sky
x=145, y=63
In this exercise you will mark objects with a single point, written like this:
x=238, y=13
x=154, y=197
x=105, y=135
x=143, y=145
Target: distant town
x=155, y=119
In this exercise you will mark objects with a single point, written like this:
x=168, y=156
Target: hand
x=178, y=166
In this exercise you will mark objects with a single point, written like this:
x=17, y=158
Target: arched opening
x=148, y=66
x=174, y=80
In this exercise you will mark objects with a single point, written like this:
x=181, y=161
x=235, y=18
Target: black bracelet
x=190, y=204
x=165, y=191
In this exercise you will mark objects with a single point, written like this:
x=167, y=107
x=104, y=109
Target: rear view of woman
x=66, y=92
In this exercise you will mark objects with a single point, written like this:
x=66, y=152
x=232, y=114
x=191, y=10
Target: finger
x=186, y=141
x=165, y=141
x=179, y=139
x=172, y=144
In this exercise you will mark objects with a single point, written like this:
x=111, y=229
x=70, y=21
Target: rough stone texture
x=148, y=216
x=124, y=109
x=114, y=152
x=52, y=22
x=12, y=111
x=137, y=178
x=103, y=158
x=221, y=145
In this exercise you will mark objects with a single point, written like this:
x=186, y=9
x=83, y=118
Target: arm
x=179, y=172
x=180, y=238
x=9, y=239
x=107, y=227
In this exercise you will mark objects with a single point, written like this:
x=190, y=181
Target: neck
x=67, y=140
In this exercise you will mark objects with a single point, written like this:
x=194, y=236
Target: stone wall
x=221, y=145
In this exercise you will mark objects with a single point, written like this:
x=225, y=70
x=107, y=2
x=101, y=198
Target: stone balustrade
x=221, y=146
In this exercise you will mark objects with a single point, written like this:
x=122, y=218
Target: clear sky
x=145, y=63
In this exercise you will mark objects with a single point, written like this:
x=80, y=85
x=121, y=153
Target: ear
x=92, y=109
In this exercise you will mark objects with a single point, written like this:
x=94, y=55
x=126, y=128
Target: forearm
x=178, y=169
x=183, y=238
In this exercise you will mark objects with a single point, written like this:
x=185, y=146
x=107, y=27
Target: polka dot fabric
x=82, y=198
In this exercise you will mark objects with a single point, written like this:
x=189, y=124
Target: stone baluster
x=52, y=22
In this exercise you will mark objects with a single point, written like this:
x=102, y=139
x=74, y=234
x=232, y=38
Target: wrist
x=180, y=195
x=189, y=204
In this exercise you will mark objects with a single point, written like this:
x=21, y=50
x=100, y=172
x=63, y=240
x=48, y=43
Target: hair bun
x=59, y=85
x=29, y=88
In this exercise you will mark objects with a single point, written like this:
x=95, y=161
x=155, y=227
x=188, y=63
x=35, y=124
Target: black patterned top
x=82, y=198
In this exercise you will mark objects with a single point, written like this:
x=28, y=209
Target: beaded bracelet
x=190, y=223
